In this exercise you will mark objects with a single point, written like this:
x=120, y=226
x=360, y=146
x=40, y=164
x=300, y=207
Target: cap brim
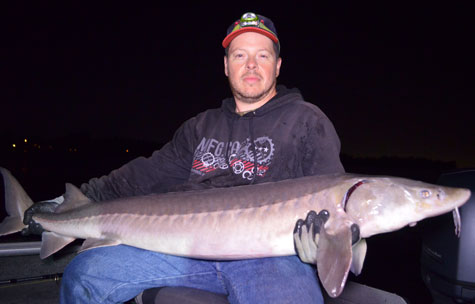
x=233, y=35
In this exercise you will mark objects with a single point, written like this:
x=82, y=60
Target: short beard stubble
x=250, y=99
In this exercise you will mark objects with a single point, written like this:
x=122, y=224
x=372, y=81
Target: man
x=264, y=133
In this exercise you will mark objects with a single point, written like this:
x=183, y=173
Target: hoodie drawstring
x=228, y=148
x=251, y=131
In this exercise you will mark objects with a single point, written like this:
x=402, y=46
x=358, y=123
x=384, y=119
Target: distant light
x=26, y=140
x=126, y=150
x=14, y=146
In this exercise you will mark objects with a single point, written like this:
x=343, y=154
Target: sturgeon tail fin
x=52, y=241
x=16, y=203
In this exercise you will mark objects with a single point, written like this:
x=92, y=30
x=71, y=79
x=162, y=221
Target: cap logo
x=249, y=19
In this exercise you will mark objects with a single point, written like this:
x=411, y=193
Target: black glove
x=307, y=233
x=39, y=207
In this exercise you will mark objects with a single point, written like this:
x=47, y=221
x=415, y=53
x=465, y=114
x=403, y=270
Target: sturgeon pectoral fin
x=52, y=242
x=359, y=254
x=334, y=257
x=95, y=243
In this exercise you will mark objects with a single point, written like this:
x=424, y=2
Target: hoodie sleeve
x=322, y=152
x=164, y=169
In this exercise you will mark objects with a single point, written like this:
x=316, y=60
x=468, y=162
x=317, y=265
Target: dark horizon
x=393, y=78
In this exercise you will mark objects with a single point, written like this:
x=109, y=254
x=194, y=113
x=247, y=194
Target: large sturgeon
x=242, y=222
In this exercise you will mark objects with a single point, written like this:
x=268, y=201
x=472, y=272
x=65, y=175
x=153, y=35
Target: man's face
x=252, y=67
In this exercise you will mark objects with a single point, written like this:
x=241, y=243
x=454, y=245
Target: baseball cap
x=251, y=22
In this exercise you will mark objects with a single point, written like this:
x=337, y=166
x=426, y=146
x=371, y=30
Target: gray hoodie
x=285, y=138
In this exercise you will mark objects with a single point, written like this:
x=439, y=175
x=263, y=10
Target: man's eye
x=238, y=55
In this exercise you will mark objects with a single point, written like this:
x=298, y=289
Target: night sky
x=395, y=79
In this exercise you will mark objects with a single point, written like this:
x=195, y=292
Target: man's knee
x=74, y=273
x=85, y=280
x=78, y=267
x=271, y=280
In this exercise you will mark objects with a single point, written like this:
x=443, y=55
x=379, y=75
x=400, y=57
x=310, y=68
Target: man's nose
x=251, y=63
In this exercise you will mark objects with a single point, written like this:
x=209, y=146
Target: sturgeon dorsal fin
x=52, y=242
x=334, y=256
x=73, y=198
x=359, y=254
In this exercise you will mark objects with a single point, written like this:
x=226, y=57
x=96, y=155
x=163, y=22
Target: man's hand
x=39, y=207
x=307, y=233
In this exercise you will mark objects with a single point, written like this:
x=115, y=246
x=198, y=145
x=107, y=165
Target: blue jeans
x=118, y=273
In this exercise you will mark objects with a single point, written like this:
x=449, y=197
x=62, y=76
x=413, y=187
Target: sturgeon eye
x=425, y=193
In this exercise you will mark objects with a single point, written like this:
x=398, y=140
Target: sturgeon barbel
x=241, y=222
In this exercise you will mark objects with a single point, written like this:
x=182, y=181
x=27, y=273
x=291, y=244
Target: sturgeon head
x=377, y=205
x=385, y=204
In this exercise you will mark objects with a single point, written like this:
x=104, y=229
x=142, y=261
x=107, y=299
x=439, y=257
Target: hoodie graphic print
x=244, y=158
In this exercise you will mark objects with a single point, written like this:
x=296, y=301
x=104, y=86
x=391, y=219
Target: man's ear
x=277, y=70
x=226, y=66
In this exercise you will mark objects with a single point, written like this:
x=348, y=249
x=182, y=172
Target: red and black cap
x=251, y=22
